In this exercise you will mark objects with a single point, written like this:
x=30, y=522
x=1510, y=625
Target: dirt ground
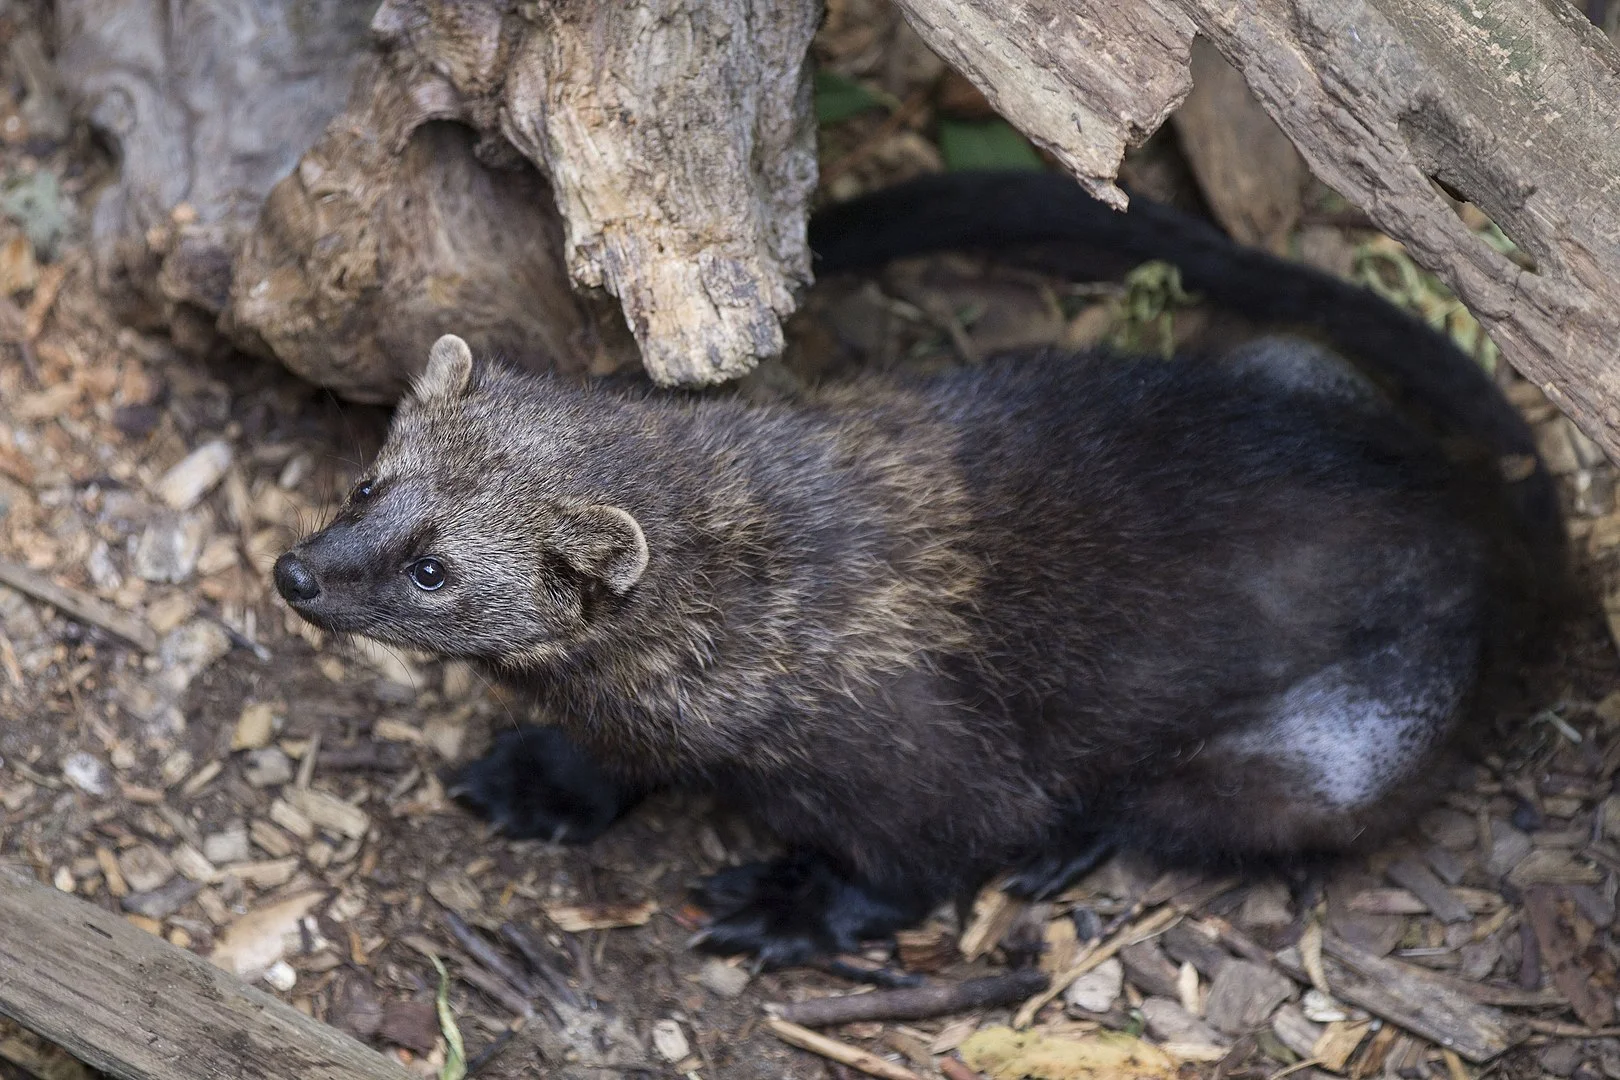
x=242, y=781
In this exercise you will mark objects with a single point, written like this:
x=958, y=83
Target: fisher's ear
x=604, y=543
x=448, y=372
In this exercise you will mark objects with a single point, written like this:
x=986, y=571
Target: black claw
x=535, y=782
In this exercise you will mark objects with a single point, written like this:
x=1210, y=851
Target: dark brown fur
x=1226, y=608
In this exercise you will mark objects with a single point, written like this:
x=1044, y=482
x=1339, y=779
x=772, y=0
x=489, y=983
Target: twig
x=917, y=1002
x=1141, y=930
x=1562, y=1029
x=841, y=1052
x=525, y=943
x=486, y=955
x=79, y=605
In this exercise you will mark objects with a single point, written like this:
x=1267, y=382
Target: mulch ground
x=176, y=747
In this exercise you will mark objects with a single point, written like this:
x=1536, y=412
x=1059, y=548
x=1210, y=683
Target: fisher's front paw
x=796, y=909
x=535, y=782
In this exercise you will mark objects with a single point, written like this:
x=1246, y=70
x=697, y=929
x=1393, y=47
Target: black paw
x=1051, y=874
x=535, y=782
x=797, y=909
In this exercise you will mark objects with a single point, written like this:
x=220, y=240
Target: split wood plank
x=132, y=1005
x=1410, y=999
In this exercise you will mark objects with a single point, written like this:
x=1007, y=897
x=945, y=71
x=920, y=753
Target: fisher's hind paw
x=795, y=910
x=535, y=782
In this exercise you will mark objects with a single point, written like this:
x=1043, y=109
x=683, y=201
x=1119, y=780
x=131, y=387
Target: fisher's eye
x=363, y=491
x=427, y=574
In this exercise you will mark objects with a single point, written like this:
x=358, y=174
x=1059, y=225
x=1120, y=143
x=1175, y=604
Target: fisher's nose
x=295, y=581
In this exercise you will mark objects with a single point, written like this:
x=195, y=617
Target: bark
x=661, y=151
x=1512, y=103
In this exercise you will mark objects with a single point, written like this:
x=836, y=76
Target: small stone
x=1168, y=1022
x=229, y=846
x=183, y=486
x=722, y=979
x=168, y=549
x=1097, y=989
x=281, y=976
x=145, y=868
x=162, y=902
x=269, y=767
x=188, y=652
x=255, y=727
x=63, y=880
x=103, y=574
x=84, y=772
x=670, y=1041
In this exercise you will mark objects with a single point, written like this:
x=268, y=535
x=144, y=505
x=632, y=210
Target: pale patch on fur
x=1348, y=741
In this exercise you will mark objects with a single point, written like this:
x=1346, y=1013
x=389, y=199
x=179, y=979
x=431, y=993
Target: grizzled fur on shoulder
x=1227, y=608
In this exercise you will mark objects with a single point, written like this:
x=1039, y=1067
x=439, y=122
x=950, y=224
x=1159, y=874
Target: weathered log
x=391, y=232
x=138, y=1008
x=1512, y=103
x=676, y=137
x=203, y=127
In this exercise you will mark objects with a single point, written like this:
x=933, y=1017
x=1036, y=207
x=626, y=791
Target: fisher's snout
x=295, y=581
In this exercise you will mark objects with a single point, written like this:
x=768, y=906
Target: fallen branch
x=79, y=605
x=915, y=1002
x=841, y=1052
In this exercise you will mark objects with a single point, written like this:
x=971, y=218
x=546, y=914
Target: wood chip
x=1423, y=884
x=841, y=1052
x=1140, y=930
x=576, y=918
x=79, y=605
x=1556, y=923
x=184, y=486
x=1338, y=1041
x=1411, y=998
x=258, y=939
x=330, y=812
x=1242, y=996
x=994, y=913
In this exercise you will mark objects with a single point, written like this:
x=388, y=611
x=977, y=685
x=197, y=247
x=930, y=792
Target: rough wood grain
x=198, y=121
x=136, y=1007
x=1250, y=174
x=1512, y=103
x=676, y=140
x=1409, y=998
